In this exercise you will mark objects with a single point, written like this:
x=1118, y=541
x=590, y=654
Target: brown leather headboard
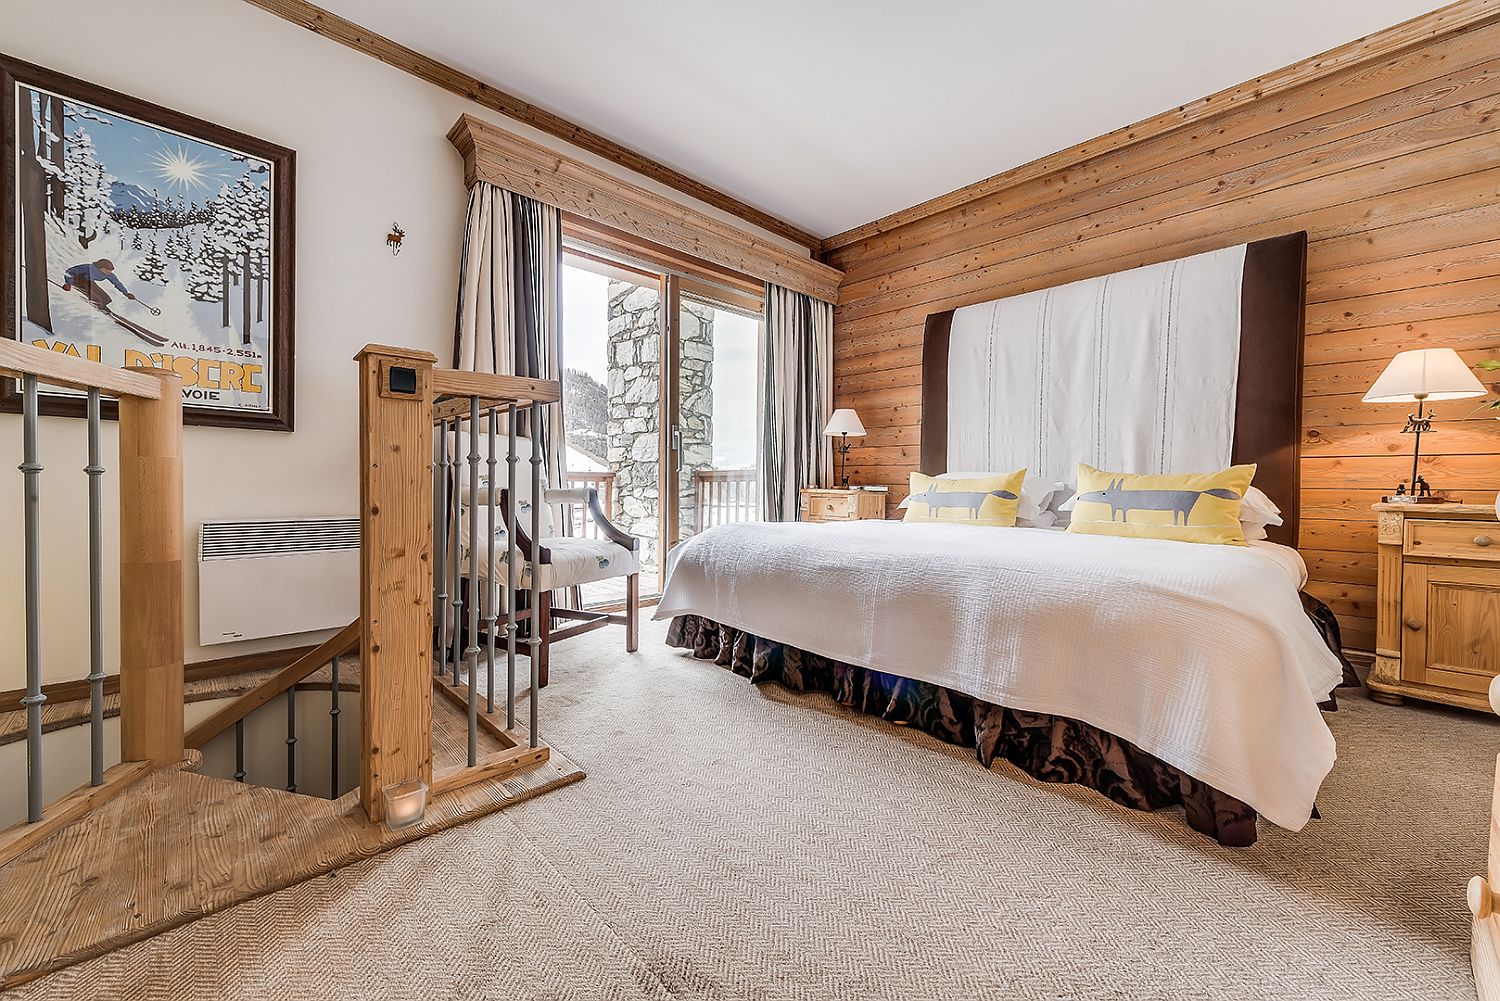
x=1268, y=403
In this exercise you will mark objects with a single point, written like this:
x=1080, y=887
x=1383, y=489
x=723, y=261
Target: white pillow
x=1258, y=509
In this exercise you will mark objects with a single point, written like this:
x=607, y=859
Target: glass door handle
x=676, y=438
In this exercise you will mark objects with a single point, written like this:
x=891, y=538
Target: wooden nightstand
x=820, y=504
x=1437, y=630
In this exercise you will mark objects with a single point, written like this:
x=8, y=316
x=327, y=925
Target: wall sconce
x=405, y=803
x=394, y=237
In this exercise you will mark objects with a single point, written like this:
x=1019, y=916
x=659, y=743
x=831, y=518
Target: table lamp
x=844, y=423
x=1419, y=376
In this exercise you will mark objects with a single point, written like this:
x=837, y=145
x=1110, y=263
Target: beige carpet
x=747, y=843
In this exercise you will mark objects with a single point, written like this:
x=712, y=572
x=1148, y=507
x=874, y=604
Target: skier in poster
x=86, y=277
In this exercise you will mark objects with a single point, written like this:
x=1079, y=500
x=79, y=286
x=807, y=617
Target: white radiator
x=276, y=578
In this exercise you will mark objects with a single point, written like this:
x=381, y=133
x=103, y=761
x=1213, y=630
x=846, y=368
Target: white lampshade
x=845, y=421
x=1425, y=374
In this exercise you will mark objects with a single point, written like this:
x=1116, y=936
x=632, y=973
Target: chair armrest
x=589, y=497
x=570, y=495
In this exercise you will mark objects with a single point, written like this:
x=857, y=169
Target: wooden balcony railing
x=602, y=481
x=724, y=496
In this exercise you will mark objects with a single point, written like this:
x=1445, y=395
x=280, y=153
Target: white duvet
x=1199, y=654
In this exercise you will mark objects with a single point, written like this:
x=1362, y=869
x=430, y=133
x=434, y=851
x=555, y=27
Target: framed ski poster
x=135, y=235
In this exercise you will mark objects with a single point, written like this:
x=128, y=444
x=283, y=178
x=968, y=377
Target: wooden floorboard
x=180, y=845
x=450, y=735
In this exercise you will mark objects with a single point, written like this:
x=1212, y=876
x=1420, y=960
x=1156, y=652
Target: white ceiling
x=831, y=113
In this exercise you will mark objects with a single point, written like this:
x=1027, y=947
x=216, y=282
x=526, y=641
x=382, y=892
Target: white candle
x=405, y=803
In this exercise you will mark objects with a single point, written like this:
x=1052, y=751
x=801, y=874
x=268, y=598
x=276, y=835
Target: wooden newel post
x=395, y=569
x=151, y=533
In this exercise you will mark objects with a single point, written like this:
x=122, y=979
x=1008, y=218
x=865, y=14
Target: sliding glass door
x=612, y=399
x=660, y=405
x=716, y=408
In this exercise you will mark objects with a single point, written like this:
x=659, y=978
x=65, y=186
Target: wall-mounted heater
x=276, y=578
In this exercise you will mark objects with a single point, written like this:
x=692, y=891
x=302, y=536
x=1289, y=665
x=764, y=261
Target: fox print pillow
x=984, y=500
x=1191, y=507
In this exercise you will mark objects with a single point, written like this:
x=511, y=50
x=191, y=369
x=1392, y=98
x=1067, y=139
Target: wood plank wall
x=1392, y=167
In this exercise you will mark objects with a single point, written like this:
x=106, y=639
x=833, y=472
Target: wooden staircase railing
x=149, y=406
x=406, y=406
x=403, y=399
x=285, y=681
x=346, y=640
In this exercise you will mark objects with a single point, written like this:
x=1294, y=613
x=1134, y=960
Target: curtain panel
x=797, y=395
x=510, y=306
x=509, y=319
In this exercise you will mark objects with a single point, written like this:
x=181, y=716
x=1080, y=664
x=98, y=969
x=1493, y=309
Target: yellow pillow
x=1194, y=507
x=981, y=500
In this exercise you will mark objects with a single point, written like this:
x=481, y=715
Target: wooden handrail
x=494, y=388
x=342, y=642
x=58, y=369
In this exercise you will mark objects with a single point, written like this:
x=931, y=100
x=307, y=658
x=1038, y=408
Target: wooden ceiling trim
x=1455, y=17
x=509, y=161
x=346, y=32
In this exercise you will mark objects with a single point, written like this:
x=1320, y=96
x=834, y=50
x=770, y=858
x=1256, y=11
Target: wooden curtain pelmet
x=508, y=161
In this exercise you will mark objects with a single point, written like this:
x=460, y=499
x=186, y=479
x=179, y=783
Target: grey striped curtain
x=510, y=313
x=510, y=306
x=797, y=399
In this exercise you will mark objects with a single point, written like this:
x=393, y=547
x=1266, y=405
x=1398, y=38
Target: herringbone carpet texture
x=739, y=843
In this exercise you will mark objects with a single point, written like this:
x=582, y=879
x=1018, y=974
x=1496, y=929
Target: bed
x=1156, y=672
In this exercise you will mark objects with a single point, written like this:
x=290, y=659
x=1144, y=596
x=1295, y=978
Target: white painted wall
x=371, y=149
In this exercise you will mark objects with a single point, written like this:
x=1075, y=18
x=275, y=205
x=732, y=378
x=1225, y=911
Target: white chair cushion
x=574, y=561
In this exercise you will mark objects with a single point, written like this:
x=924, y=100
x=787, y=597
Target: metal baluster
x=536, y=574
x=491, y=587
x=512, y=557
x=441, y=544
x=239, y=750
x=333, y=727
x=95, y=471
x=291, y=739
x=32, y=504
x=458, y=567
x=471, y=652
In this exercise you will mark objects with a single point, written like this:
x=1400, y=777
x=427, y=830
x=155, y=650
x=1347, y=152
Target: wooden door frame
x=602, y=249
x=668, y=401
x=670, y=474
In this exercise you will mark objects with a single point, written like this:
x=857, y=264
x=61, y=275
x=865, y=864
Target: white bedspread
x=1200, y=655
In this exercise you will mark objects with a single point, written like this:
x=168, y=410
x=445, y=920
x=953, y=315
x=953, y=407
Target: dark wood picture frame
x=282, y=356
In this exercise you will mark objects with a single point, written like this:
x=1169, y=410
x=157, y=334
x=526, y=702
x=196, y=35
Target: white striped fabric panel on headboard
x=1134, y=371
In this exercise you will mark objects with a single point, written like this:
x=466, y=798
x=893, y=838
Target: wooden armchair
x=566, y=561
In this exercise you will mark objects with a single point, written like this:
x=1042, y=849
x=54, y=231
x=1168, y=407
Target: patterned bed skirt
x=1048, y=748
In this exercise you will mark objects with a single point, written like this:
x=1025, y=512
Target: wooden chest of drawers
x=841, y=505
x=1437, y=630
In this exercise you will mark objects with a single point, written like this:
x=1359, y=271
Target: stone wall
x=634, y=428
x=696, y=407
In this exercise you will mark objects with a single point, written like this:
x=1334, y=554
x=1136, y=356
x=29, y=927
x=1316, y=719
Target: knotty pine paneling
x=1392, y=167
